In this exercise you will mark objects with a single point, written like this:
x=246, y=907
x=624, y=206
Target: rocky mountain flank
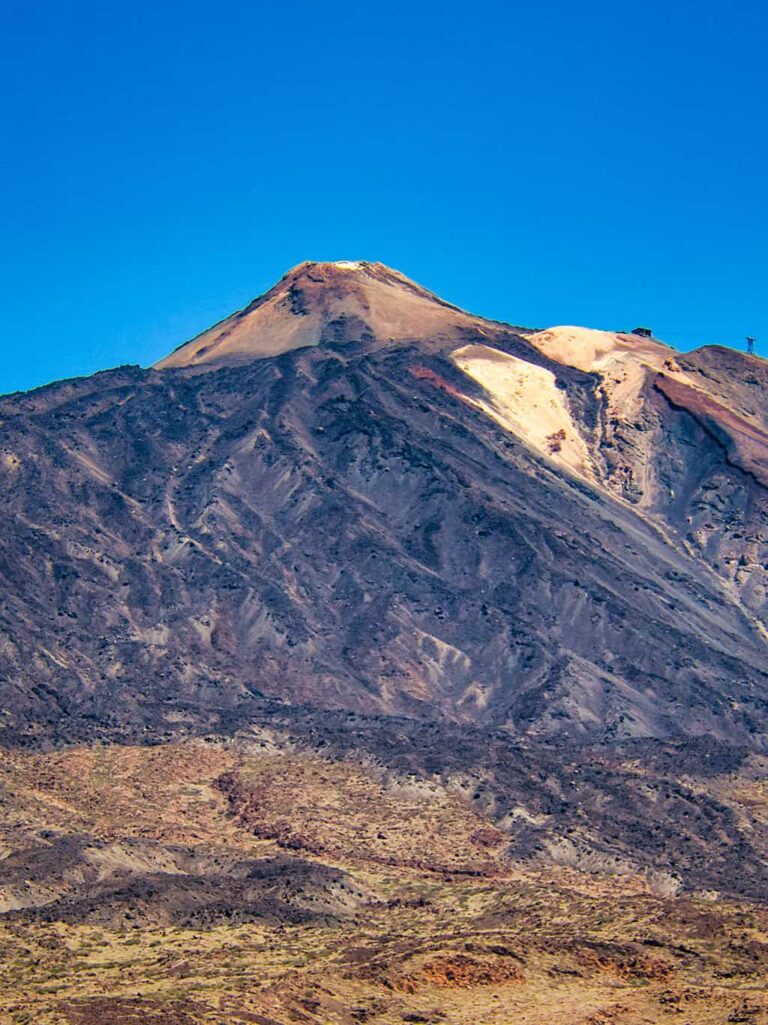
x=354, y=495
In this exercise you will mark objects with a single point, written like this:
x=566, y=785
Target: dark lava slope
x=343, y=524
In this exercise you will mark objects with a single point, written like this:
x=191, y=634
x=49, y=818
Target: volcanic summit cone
x=325, y=302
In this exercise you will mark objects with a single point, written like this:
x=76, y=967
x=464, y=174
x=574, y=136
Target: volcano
x=368, y=660
x=354, y=495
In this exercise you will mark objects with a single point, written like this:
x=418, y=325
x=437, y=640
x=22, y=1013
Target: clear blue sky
x=162, y=163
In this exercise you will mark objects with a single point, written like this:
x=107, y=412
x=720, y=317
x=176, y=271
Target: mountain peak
x=316, y=302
